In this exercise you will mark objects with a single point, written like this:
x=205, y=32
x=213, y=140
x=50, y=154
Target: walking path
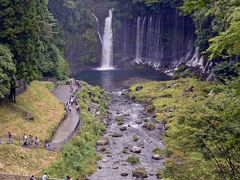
x=70, y=124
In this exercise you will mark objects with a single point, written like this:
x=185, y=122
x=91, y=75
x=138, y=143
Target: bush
x=133, y=160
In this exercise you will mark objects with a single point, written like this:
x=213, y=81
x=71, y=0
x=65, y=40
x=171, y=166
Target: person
x=32, y=177
x=25, y=140
x=30, y=140
x=44, y=177
x=70, y=108
x=68, y=178
x=46, y=143
x=37, y=141
x=9, y=137
x=77, y=107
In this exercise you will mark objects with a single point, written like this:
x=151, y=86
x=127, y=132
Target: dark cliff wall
x=159, y=39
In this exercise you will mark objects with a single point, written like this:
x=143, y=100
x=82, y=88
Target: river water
x=135, y=115
x=114, y=79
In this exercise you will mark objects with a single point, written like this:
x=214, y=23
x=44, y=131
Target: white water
x=138, y=57
x=99, y=34
x=107, y=49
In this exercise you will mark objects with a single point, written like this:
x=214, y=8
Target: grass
x=158, y=151
x=180, y=162
x=48, y=112
x=78, y=157
x=133, y=160
x=39, y=100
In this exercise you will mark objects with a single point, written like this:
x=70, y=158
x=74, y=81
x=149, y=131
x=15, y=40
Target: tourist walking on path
x=32, y=177
x=44, y=177
x=10, y=138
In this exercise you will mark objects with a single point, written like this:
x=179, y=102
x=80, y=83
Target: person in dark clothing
x=32, y=177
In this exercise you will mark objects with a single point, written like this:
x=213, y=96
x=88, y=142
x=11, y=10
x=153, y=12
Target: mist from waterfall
x=107, y=48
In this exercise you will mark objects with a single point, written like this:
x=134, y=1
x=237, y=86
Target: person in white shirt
x=44, y=177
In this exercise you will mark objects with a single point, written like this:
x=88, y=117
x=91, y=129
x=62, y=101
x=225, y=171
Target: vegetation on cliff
x=202, y=126
x=78, y=157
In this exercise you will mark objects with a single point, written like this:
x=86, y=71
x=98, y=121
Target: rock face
x=140, y=172
x=29, y=116
x=136, y=149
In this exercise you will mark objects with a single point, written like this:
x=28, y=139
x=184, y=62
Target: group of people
x=28, y=140
x=73, y=99
x=31, y=141
x=45, y=177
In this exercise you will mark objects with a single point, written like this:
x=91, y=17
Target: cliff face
x=160, y=39
x=163, y=39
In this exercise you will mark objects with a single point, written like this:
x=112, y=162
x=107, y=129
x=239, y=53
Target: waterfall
x=98, y=31
x=138, y=56
x=107, y=49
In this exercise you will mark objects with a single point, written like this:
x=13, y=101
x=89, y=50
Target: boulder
x=138, y=88
x=151, y=126
x=124, y=174
x=136, y=149
x=189, y=89
x=102, y=142
x=151, y=109
x=156, y=157
x=169, y=108
x=139, y=122
x=123, y=128
x=29, y=116
x=116, y=134
x=140, y=172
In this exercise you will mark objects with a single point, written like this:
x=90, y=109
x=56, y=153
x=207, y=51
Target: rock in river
x=140, y=172
x=102, y=142
x=123, y=128
x=124, y=174
x=136, y=149
x=156, y=157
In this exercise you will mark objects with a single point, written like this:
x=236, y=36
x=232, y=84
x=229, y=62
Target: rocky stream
x=130, y=143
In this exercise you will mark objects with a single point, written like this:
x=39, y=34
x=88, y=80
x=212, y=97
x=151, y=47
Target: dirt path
x=113, y=163
x=69, y=124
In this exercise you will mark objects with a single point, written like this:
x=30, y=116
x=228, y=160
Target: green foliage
x=217, y=26
x=133, y=160
x=7, y=70
x=226, y=71
x=78, y=157
x=202, y=136
x=30, y=32
x=183, y=72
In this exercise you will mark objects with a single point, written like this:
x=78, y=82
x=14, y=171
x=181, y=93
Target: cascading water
x=107, y=49
x=137, y=56
x=163, y=39
x=98, y=31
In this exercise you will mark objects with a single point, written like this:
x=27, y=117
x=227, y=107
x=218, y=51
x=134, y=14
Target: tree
x=7, y=70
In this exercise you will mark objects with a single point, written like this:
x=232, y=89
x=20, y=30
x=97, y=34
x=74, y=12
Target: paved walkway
x=68, y=126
